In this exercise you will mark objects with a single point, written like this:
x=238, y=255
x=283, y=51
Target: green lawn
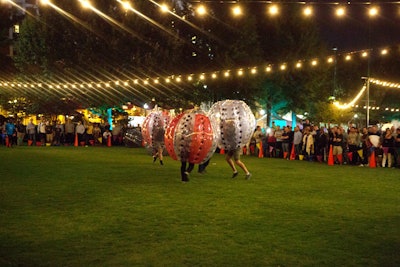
x=101, y=206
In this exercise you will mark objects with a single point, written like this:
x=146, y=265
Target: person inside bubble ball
x=233, y=157
x=158, y=145
x=233, y=153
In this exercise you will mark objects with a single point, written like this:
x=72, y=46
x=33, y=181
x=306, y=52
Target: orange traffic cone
x=285, y=154
x=292, y=153
x=7, y=141
x=30, y=142
x=76, y=140
x=222, y=151
x=260, y=151
x=330, y=157
x=372, y=160
x=109, y=141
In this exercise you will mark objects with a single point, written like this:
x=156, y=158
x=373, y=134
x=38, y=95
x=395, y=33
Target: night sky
x=357, y=31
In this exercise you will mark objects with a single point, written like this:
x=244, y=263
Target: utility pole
x=367, y=85
x=334, y=71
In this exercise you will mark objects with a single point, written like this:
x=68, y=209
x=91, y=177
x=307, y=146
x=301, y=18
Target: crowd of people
x=313, y=143
x=55, y=133
x=309, y=142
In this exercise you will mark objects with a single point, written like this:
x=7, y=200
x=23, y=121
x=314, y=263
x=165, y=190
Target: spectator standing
x=258, y=136
x=308, y=144
x=388, y=143
x=42, y=131
x=31, y=131
x=21, y=130
x=286, y=142
x=297, y=139
x=353, y=142
x=11, y=132
x=97, y=136
x=58, y=133
x=69, y=132
x=374, y=143
x=306, y=124
x=106, y=135
x=89, y=133
x=80, y=131
x=365, y=144
x=116, y=133
x=49, y=132
x=321, y=142
x=337, y=143
x=278, y=136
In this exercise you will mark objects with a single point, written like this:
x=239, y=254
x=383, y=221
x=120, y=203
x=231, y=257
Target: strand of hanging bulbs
x=361, y=92
x=204, y=76
x=377, y=108
x=274, y=9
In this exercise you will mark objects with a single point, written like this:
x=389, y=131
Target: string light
x=307, y=11
x=340, y=11
x=361, y=92
x=201, y=10
x=346, y=106
x=237, y=10
x=384, y=83
x=273, y=10
x=299, y=64
x=391, y=109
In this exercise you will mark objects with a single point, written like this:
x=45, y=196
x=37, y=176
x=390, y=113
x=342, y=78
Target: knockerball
x=234, y=123
x=154, y=126
x=190, y=137
x=133, y=137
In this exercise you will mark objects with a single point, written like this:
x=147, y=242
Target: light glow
x=273, y=10
x=201, y=10
x=308, y=11
x=373, y=11
x=237, y=11
x=351, y=104
x=164, y=8
x=340, y=11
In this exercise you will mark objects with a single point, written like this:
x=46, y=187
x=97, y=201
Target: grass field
x=100, y=206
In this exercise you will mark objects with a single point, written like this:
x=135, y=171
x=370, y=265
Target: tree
x=286, y=40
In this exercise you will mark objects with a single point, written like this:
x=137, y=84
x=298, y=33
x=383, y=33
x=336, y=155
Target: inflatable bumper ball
x=234, y=123
x=133, y=138
x=190, y=137
x=153, y=128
